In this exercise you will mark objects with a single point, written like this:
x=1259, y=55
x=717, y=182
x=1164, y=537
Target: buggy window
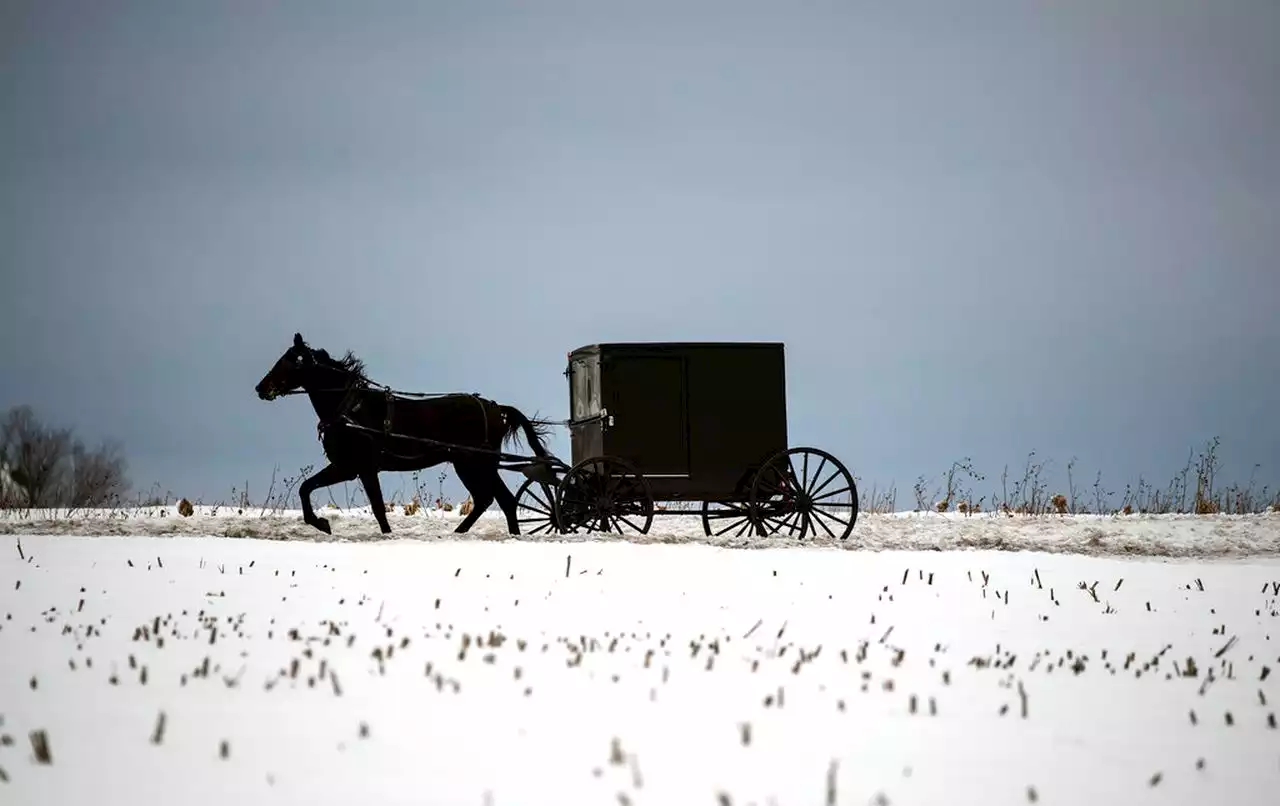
x=585, y=387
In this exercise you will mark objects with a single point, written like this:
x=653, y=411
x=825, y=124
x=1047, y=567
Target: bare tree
x=96, y=477
x=34, y=454
x=53, y=468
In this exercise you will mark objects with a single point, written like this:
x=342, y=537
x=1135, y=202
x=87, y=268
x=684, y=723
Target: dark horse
x=366, y=428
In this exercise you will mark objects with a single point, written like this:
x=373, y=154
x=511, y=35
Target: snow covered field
x=166, y=664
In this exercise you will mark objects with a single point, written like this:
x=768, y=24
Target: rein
x=373, y=385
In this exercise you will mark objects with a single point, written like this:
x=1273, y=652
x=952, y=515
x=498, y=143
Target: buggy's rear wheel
x=536, y=509
x=804, y=491
x=604, y=494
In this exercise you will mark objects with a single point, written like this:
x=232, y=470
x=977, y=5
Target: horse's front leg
x=329, y=475
x=373, y=491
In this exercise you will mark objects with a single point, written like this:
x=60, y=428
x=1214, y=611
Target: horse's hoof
x=323, y=525
x=386, y=530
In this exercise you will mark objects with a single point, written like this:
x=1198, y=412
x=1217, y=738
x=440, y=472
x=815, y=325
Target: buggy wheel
x=731, y=517
x=535, y=506
x=604, y=494
x=802, y=492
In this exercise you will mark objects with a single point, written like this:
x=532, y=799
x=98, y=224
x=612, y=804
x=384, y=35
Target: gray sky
x=981, y=228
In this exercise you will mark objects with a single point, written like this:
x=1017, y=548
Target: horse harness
x=345, y=409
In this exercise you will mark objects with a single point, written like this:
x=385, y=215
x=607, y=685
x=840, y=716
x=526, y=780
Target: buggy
x=686, y=423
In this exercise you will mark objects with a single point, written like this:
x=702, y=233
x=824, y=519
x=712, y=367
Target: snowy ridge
x=1179, y=536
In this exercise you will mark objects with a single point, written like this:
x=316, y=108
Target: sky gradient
x=981, y=228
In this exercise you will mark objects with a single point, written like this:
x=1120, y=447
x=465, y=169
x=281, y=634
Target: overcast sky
x=981, y=228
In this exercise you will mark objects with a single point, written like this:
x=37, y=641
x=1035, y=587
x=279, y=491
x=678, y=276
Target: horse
x=366, y=428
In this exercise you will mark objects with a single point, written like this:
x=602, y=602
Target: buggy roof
x=675, y=346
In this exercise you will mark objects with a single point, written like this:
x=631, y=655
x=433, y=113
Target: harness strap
x=484, y=414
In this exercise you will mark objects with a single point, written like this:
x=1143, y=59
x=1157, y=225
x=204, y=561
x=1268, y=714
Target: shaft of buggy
x=539, y=468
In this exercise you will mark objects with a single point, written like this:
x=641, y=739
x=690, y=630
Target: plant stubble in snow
x=156, y=670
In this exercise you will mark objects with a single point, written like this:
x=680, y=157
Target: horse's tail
x=535, y=431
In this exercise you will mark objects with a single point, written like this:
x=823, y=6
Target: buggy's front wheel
x=604, y=494
x=804, y=491
x=536, y=509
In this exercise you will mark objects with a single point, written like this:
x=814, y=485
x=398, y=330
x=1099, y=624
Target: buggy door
x=647, y=421
x=586, y=415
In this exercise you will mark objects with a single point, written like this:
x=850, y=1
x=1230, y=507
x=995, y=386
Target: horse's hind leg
x=328, y=475
x=507, y=502
x=373, y=491
x=477, y=482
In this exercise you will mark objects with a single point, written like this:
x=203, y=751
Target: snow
x=491, y=670
x=1186, y=536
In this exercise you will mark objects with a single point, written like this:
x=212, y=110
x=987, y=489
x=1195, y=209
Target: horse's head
x=289, y=372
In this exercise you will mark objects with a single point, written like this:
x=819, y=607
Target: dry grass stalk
x=157, y=736
x=40, y=747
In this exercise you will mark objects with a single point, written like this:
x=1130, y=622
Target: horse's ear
x=297, y=340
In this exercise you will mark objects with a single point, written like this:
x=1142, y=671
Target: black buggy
x=685, y=423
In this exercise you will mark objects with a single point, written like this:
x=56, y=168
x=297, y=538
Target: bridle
x=306, y=360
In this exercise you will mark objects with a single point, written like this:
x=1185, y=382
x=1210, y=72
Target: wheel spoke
x=725, y=513
x=787, y=516
x=628, y=522
x=833, y=477
x=781, y=524
x=534, y=494
x=833, y=517
x=804, y=525
x=536, y=509
x=731, y=525
x=544, y=524
x=824, y=496
x=794, y=485
x=804, y=521
x=817, y=517
x=817, y=474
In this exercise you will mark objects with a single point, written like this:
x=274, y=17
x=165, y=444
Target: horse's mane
x=348, y=363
